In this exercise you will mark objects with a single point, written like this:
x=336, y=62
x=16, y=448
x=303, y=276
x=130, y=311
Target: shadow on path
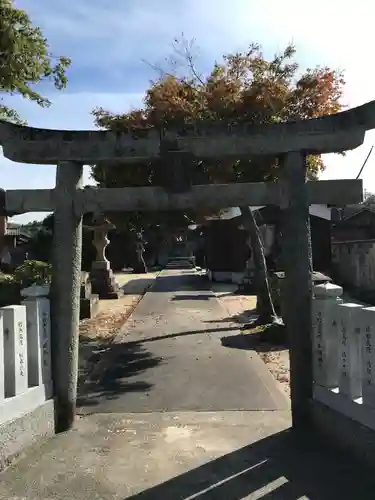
x=182, y=282
x=200, y=296
x=280, y=467
x=257, y=342
x=242, y=317
x=109, y=370
x=138, y=285
x=184, y=334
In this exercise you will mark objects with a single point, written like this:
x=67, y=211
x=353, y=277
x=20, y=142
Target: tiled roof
x=321, y=211
x=353, y=210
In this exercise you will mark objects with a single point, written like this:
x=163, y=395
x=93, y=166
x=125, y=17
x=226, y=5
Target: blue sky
x=109, y=41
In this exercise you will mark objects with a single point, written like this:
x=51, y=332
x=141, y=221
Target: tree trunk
x=265, y=305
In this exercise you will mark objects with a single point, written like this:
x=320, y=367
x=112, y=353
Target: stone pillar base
x=103, y=282
x=89, y=307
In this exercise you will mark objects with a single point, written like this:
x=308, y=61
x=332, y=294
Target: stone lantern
x=103, y=281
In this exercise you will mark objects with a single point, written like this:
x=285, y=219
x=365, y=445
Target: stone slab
x=89, y=307
x=171, y=456
x=17, y=435
x=111, y=294
x=345, y=433
x=104, y=283
x=12, y=408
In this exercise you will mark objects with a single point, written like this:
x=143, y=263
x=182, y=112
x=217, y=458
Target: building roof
x=353, y=210
x=230, y=213
x=13, y=232
x=14, y=229
x=321, y=211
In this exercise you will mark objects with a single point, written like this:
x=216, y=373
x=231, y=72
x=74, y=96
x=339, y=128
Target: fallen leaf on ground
x=107, y=324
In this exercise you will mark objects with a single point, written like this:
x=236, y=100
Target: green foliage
x=32, y=228
x=40, y=245
x=41, y=232
x=25, y=60
x=33, y=272
x=41, y=242
x=369, y=199
x=29, y=273
x=9, y=292
x=6, y=278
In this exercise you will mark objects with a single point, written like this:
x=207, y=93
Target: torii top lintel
x=328, y=134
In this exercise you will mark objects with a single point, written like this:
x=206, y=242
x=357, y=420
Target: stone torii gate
x=70, y=150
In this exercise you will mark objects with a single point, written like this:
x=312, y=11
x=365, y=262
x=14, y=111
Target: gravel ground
x=113, y=313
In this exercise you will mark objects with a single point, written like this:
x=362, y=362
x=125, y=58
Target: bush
x=9, y=290
x=6, y=278
x=40, y=245
x=25, y=275
x=33, y=272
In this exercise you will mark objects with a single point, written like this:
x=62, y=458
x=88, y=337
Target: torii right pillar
x=297, y=262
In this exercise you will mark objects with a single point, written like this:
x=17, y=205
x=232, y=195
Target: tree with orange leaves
x=243, y=87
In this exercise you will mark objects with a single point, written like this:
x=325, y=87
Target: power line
x=363, y=166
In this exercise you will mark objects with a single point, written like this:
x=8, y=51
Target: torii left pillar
x=65, y=293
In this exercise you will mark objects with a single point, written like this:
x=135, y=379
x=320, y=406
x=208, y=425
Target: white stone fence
x=344, y=354
x=25, y=357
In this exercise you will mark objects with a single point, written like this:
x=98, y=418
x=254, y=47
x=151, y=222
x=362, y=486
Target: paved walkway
x=169, y=357
x=177, y=415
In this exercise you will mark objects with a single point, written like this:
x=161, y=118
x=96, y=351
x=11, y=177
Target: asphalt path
x=170, y=357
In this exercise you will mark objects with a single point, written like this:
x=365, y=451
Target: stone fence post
x=350, y=350
x=368, y=356
x=326, y=334
x=15, y=350
x=38, y=334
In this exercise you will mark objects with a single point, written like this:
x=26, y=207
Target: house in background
x=226, y=245
x=354, y=222
x=353, y=250
x=320, y=228
x=13, y=244
x=225, y=248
